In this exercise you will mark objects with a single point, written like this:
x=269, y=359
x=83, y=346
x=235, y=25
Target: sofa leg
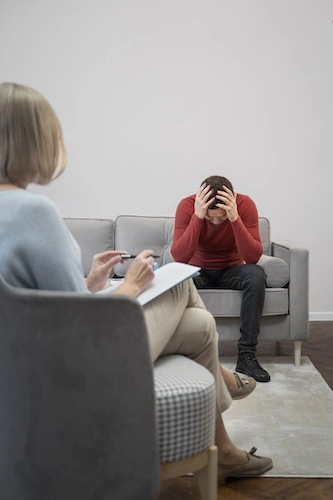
x=297, y=352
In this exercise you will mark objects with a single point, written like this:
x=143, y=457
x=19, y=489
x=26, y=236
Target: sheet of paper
x=166, y=277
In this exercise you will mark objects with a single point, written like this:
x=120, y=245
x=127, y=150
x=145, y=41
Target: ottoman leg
x=207, y=477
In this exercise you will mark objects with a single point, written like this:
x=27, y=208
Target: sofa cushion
x=227, y=303
x=276, y=269
x=93, y=236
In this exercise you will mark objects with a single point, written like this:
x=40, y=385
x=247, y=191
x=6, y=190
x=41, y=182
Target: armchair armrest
x=298, y=260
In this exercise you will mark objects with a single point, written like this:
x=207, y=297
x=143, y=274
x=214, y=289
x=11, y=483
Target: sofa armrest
x=298, y=260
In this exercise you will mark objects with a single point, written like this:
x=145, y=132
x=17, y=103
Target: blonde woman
x=37, y=251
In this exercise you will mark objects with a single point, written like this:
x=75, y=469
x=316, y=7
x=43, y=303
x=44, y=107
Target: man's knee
x=256, y=276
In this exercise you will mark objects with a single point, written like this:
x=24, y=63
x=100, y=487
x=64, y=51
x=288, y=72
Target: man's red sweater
x=201, y=243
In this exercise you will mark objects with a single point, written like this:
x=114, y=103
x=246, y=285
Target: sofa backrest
x=265, y=235
x=93, y=236
x=134, y=233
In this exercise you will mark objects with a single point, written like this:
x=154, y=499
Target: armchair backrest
x=77, y=413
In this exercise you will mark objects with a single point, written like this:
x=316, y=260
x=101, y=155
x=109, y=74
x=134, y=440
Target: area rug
x=289, y=419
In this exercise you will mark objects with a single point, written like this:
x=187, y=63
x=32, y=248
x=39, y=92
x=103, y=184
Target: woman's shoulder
x=35, y=203
x=24, y=206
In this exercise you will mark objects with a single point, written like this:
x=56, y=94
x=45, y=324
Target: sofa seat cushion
x=227, y=303
x=185, y=407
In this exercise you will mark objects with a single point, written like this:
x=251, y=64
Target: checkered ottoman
x=185, y=407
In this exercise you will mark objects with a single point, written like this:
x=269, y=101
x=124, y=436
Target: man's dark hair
x=216, y=183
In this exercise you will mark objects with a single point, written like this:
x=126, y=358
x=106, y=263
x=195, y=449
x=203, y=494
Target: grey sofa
x=286, y=308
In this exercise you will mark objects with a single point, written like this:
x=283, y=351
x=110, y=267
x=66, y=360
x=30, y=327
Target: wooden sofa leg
x=207, y=477
x=297, y=352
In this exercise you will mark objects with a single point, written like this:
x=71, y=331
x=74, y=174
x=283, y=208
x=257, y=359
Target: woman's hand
x=139, y=274
x=101, y=268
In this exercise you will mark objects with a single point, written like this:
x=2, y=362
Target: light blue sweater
x=36, y=248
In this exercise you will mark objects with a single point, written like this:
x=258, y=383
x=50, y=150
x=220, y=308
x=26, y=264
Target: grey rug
x=289, y=419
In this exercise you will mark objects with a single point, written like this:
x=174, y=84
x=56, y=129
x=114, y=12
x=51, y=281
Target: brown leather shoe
x=245, y=385
x=254, y=467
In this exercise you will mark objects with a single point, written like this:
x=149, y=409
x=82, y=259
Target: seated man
x=218, y=230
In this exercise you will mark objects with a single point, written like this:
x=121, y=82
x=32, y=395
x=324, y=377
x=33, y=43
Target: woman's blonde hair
x=31, y=141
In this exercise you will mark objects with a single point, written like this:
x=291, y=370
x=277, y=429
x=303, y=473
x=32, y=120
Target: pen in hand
x=130, y=256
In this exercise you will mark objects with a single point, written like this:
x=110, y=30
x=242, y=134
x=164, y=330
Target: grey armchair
x=76, y=419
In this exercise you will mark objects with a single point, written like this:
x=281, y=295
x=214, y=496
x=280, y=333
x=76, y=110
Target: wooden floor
x=319, y=348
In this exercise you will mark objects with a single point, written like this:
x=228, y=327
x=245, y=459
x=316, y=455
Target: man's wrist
x=199, y=218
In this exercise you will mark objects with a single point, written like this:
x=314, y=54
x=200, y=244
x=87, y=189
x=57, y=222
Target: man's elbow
x=176, y=255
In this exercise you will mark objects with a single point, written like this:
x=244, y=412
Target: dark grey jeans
x=251, y=279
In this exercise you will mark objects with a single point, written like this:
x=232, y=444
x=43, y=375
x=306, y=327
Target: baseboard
x=321, y=316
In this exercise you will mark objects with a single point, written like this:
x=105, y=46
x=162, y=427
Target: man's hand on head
x=202, y=201
x=228, y=203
